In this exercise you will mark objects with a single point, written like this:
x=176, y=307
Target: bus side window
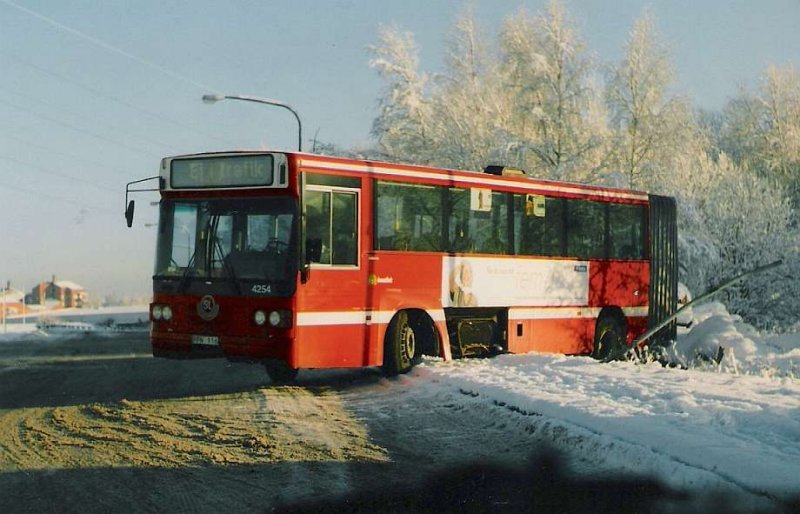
x=528, y=228
x=408, y=217
x=627, y=231
x=332, y=227
x=318, y=212
x=586, y=229
x=345, y=227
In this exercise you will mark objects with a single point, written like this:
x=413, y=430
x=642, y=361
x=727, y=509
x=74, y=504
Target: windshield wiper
x=185, y=277
x=229, y=271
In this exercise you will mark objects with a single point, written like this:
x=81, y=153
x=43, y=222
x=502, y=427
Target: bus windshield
x=241, y=241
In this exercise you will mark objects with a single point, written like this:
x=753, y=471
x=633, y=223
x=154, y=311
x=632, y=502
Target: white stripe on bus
x=568, y=312
x=332, y=318
x=479, y=180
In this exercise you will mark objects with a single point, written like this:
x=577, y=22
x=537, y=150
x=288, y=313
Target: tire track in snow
x=584, y=441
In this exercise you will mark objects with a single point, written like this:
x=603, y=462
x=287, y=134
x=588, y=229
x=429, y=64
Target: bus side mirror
x=129, y=213
x=313, y=254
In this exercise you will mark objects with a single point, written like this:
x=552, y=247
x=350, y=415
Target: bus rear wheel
x=401, y=349
x=279, y=372
x=609, y=338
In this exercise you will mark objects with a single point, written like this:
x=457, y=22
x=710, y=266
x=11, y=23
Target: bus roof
x=433, y=175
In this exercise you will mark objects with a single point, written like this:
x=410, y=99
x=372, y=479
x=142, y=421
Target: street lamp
x=210, y=99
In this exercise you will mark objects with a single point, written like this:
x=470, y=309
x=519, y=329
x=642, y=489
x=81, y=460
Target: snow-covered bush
x=744, y=349
x=731, y=221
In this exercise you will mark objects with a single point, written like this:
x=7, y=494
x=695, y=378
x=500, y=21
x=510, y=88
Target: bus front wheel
x=609, y=338
x=279, y=372
x=401, y=349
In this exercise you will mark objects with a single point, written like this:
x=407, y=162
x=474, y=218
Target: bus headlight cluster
x=277, y=318
x=160, y=312
x=260, y=318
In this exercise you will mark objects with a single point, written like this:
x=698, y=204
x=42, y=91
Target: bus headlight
x=260, y=318
x=157, y=312
x=280, y=318
x=275, y=318
x=166, y=312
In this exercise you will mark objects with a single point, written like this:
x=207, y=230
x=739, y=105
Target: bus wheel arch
x=410, y=335
x=610, y=335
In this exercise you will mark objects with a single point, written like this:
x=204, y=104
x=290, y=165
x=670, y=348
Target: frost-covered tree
x=530, y=103
x=466, y=102
x=402, y=125
x=731, y=221
x=762, y=130
x=557, y=120
x=651, y=127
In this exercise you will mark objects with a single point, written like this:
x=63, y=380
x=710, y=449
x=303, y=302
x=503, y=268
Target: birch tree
x=467, y=103
x=402, y=125
x=650, y=125
x=558, y=121
x=762, y=130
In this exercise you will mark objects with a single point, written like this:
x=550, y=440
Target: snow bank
x=745, y=350
x=17, y=332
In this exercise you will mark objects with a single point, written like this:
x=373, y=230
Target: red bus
x=305, y=261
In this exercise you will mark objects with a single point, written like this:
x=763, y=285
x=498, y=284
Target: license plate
x=205, y=340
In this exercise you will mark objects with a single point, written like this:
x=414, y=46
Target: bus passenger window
x=627, y=231
x=586, y=229
x=408, y=217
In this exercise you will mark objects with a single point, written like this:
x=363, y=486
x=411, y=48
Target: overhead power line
x=78, y=129
x=41, y=194
x=47, y=171
x=96, y=92
x=55, y=108
x=71, y=155
x=109, y=47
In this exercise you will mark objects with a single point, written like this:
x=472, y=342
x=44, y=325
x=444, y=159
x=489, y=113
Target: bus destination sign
x=227, y=171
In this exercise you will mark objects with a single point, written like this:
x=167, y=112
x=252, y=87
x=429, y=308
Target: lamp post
x=210, y=99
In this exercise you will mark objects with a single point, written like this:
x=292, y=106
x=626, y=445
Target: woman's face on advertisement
x=466, y=275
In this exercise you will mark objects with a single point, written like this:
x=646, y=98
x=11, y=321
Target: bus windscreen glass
x=244, y=242
x=227, y=171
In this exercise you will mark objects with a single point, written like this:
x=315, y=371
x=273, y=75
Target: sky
x=93, y=94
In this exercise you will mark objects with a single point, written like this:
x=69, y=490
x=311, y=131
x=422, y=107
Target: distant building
x=58, y=294
x=12, y=301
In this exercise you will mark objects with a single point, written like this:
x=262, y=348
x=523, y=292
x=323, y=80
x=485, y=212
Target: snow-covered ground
x=713, y=427
x=71, y=322
x=730, y=428
x=119, y=314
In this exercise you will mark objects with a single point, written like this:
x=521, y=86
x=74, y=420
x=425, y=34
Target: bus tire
x=401, y=350
x=609, y=338
x=279, y=372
